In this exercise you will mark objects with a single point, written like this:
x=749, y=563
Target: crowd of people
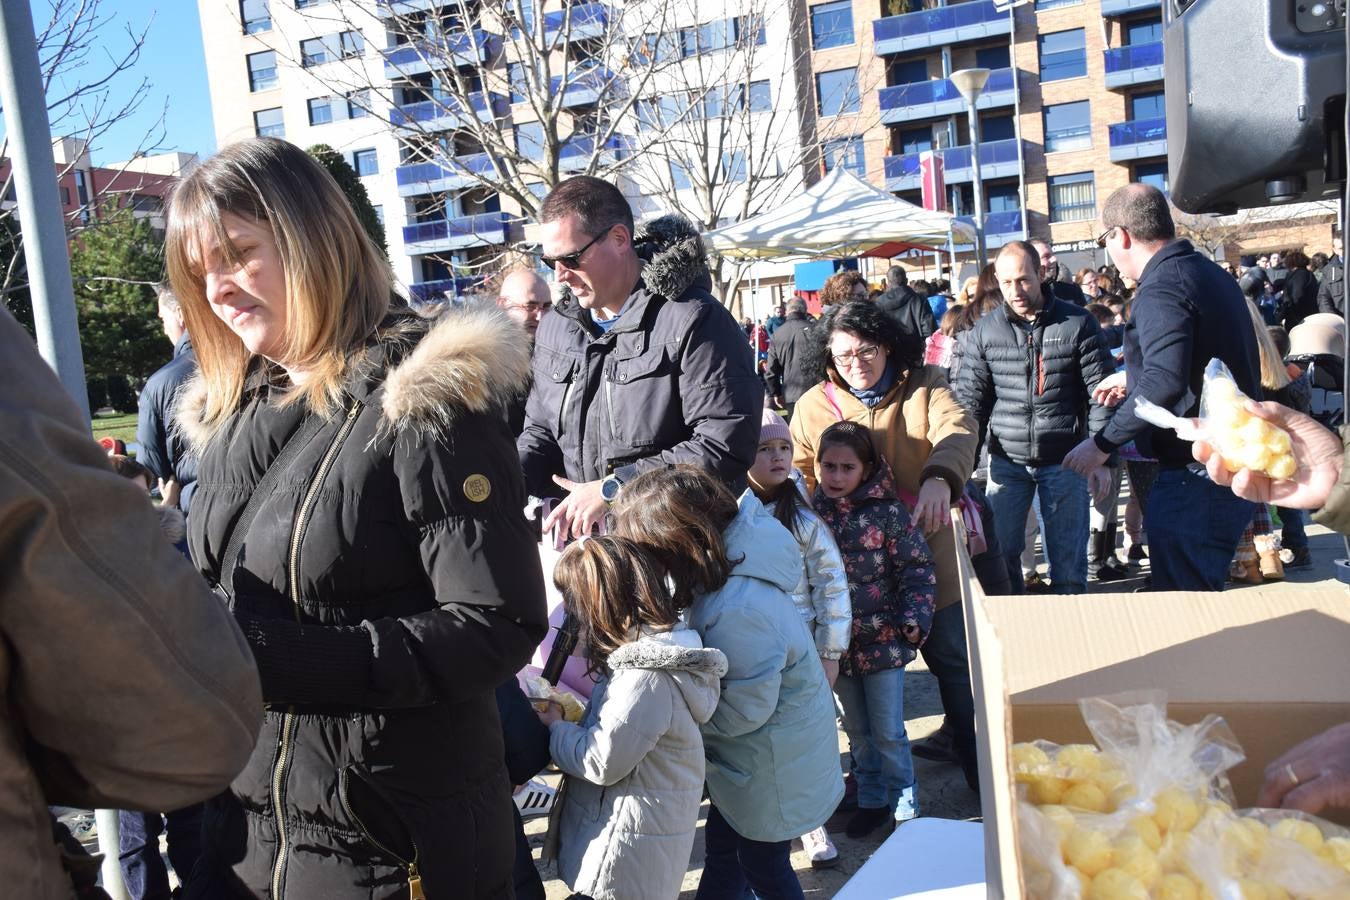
x=320, y=683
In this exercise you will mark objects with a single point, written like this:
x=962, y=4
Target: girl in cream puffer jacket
x=635, y=761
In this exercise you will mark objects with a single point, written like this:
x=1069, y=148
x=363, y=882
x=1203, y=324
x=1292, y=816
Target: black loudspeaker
x=1255, y=101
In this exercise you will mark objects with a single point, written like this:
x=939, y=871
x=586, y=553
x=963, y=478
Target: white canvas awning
x=840, y=215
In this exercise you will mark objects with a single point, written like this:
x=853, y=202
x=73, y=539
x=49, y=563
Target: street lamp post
x=970, y=82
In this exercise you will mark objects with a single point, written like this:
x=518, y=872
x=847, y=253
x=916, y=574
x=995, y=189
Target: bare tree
x=88, y=61
x=1208, y=232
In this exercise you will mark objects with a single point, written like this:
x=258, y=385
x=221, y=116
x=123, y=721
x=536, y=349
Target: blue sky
x=172, y=61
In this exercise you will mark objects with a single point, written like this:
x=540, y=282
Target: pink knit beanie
x=773, y=428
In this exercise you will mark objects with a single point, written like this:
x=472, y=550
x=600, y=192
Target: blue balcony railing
x=942, y=92
x=588, y=20
x=1140, y=131
x=1134, y=56
x=1124, y=7
x=485, y=224
x=905, y=166
x=992, y=153
x=428, y=173
x=453, y=287
x=443, y=105
x=583, y=145
x=584, y=86
x=425, y=55
x=1004, y=225
x=944, y=18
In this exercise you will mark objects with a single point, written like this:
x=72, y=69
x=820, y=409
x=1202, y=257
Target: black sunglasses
x=571, y=260
x=1101, y=238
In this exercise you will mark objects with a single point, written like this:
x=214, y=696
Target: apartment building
x=364, y=78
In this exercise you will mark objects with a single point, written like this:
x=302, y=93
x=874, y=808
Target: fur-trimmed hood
x=675, y=258
x=696, y=669
x=467, y=360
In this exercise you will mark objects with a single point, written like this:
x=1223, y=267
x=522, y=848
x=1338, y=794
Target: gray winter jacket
x=1030, y=383
x=821, y=595
x=635, y=765
x=673, y=381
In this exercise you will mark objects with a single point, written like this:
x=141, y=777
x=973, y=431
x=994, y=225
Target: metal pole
x=43, y=229
x=980, y=256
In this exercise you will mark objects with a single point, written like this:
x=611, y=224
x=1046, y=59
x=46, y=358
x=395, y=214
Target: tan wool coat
x=920, y=429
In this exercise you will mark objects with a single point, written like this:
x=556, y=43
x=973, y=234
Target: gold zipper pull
x=415, y=891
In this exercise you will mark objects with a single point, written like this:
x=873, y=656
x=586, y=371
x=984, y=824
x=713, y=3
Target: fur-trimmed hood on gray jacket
x=635, y=767
x=386, y=586
x=672, y=381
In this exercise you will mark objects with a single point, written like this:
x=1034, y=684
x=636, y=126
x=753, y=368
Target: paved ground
x=942, y=790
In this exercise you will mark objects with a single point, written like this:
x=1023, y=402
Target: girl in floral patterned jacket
x=891, y=582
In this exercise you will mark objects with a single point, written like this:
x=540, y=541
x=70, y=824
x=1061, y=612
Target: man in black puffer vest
x=906, y=308
x=1027, y=376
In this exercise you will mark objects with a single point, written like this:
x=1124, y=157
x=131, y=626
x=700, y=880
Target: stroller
x=1318, y=347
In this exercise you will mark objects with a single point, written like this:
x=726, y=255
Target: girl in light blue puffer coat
x=772, y=747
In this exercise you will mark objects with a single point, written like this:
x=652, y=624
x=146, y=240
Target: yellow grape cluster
x=1147, y=856
x=1245, y=441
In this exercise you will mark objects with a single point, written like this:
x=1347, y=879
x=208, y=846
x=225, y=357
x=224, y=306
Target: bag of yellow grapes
x=1244, y=441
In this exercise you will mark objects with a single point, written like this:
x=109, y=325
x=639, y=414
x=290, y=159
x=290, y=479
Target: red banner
x=930, y=177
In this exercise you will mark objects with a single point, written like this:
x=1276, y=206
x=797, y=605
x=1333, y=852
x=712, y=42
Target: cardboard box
x=1275, y=663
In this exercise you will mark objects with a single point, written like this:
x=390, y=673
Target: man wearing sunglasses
x=1186, y=312
x=639, y=366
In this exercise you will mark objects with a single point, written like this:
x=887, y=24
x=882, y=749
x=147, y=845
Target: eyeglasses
x=530, y=308
x=862, y=355
x=1101, y=238
x=571, y=260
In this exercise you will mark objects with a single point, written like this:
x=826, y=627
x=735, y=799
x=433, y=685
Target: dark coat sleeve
x=1094, y=361
x=974, y=384
x=152, y=431
x=721, y=399
x=537, y=445
x=526, y=738
x=926, y=320
x=1166, y=344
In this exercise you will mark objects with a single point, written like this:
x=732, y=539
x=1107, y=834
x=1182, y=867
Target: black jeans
x=945, y=655
x=733, y=866
x=142, y=866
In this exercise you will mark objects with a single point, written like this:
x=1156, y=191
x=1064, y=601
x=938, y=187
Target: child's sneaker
x=820, y=849
x=535, y=799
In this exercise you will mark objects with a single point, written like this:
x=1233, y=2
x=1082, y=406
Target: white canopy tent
x=840, y=215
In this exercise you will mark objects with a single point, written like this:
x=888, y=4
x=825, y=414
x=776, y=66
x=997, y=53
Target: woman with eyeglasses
x=873, y=374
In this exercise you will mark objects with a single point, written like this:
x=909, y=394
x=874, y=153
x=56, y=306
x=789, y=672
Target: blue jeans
x=1292, y=535
x=945, y=654
x=874, y=720
x=734, y=866
x=1063, y=496
x=142, y=867
x=1193, y=526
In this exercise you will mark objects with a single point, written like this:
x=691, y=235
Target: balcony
x=589, y=20
x=585, y=87
x=461, y=48
x=445, y=112
x=1138, y=139
x=1125, y=7
x=999, y=227
x=1134, y=64
x=931, y=99
x=387, y=8
x=433, y=177
x=938, y=27
x=453, y=289
x=576, y=153
x=998, y=159
x=482, y=230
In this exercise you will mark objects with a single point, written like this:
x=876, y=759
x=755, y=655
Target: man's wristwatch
x=609, y=488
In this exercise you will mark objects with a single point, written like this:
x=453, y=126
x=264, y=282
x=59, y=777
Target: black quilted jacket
x=1030, y=383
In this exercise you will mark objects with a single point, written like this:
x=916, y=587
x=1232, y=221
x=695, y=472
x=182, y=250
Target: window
x=1154, y=174
x=351, y=43
x=530, y=140
x=761, y=98
x=1063, y=55
x=312, y=52
x=268, y=123
x=1055, y=4
x=315, y=51
x=846, y=152
x=1073, y=198
x=1144, y=32
x=750, y=30
x=679, y=175
x=733, y=166
x=1001, y=197
x=320, y=110
x=832, y=24
x=715, y=103
x=365, y=162
x=379, y=214
x=82, y=192
x=997, y=128
x=916, y=140
x=262, y=70
x=1148, y=105
x=65, y=194
x=717, y=35
x=837, y=92
x=993, y=57
x=306, y=4
x=1068, y=126
x=516, y=81
x=909, y=72
x=254, y=16
x=358, y=104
